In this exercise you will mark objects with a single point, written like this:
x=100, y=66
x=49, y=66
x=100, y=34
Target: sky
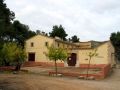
x=88, y=19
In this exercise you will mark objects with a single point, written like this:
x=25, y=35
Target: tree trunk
x=18, y=66
x=55, y=67
x=88, y=67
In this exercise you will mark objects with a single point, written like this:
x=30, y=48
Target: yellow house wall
x=102, y=57
x=111, y=56
x=85, y=44
x=104, y=51
x=39, y=47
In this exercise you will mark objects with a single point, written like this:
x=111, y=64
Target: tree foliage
x=6, y=18
x=59, y=32
x=12, y=54
x=10, y=30
x=56, y=54
x=21, y=32
x=115, y=39
x=74, y=39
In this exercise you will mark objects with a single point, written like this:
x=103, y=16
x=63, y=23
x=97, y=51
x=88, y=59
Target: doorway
x=31, y=57
x=72, y=60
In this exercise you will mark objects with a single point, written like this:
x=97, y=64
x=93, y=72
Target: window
x=46, y=44
x=58, y=44
x=32, y=44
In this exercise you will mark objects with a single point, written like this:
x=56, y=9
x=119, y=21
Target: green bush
x=12, y=54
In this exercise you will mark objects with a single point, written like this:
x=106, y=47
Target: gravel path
x=37, y=82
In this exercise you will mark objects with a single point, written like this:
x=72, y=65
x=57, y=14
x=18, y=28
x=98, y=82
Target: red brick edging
x=7, y=68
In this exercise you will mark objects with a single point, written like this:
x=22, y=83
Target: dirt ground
x=38, y=82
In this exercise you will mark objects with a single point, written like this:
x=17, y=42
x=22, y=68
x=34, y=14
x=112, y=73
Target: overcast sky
x=88, y=19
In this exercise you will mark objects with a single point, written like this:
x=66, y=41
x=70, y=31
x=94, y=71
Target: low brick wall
x=96, y=76
x=49, y=64
x=7, y=68
x=92, y=66
x=104, y=71
x=44, y=64
x=31, y=64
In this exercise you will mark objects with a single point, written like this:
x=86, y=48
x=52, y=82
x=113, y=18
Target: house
x=78, y=52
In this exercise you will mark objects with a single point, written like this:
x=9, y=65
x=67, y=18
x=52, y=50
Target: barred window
x=46, y=44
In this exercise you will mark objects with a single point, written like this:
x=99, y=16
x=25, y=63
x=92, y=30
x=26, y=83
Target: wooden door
x=31, y=57
x=72, y=60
